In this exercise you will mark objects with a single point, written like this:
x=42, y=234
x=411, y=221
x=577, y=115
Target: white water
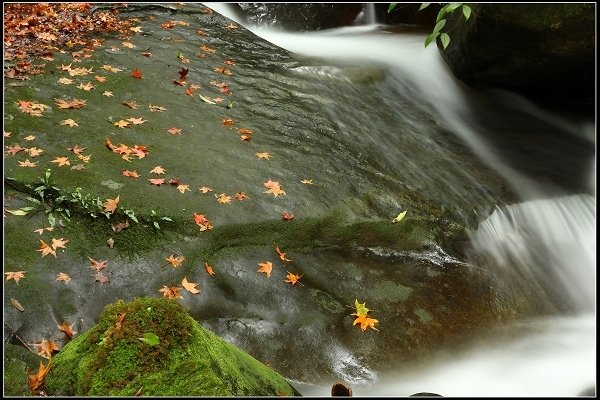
x=540, y=237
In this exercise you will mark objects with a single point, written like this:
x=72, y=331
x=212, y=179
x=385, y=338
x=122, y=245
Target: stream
x=544, y=244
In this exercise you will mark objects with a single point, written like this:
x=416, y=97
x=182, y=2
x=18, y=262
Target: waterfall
x=370, y=18
x=544, y=245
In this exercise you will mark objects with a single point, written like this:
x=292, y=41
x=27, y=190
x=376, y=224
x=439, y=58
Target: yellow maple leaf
x=121, y=123
x=61, y=161
x=15, y=275
x=189, y=286
x=63, y=277
x=263, y=156
x=183, y=188
x=46, y=249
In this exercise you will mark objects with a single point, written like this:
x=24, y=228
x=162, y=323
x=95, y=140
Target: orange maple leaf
x=67, y=329
x=365, y=322
x=98, y=265
x=137, y=74
x=46, y=249
x=282, y=255
x=63, y=277
x=241, y=196
x=175, y=261
x=244, y=131
x=266, y=268
x=189, y=286
x=274, y=188
x=227, y=122
x=132, y=174
x=36, y=380
x=171, y=292
x=286, y=216
x=209, y=268
x=100, y=79
x=293, y=278
x=56, y=243
x=61, y=161
x=110, y=205
x=174, y=131
x=45, y=348
x=157, y=182
x=16, y=275
x=130, y=104
x=76, y=149
x=205, y=189
x=202, y=222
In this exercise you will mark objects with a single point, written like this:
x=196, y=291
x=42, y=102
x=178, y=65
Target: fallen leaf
x=45, y=348
x=273, y=188
x=156, y=108
x=46, y=249
x=107, y=93
x=245, y=131
x=110, y=242
x=36, y=380
x=223, y=70
x=183, y=188
x=365, y=322
x=282, y=255
x=118, y=227
x=209, y=269
x=157, y=182
x=28, y=163
x=65, y=81
x=223, y=198
x=131, y=104
x=205, y=189
x=174, y=131
x=61, y=161
x=29, y=138
x=67, y=329
x=227, y=122
x=360, y=308
x=100, y=277
x=56, y=243
x=110, y=205
x=183, y=73
x=229, y=62
x=263, y=156
x=34, y=151
x=98, y=265
x=121, y=123
x=293, y=279
x=129, y=45
x=137, y=29
x=100, y=79
x=174, y=181
x=66, y=104
x=12, y=150
x=286, y=216
x=307, y=181
x=76, y=149
x=69, y=122
x=136, y=121
x=399, y=217
x=132, y=174
x=231, y=25
x=175, y=261
x=147, y=54
x=266, y=268
x=137, y=74
x=63, y=277
x=15, y=303
x=15, y=275
x=189, y=286
x=170, y=292
x=207, y=49
x=158, y=170
x=241, y=196
x=87, y=87
x=202, y=222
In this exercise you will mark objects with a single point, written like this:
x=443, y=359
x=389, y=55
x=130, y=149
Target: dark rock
x=543, y=51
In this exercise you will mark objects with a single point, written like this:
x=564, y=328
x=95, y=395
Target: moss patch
x=109, y=359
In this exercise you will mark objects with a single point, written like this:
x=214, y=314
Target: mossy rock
x=111, y=360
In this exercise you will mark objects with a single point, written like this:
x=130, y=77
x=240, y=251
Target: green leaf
x=445, y=40
x=51, y=219
x=438, y=27
x=150, y=338
x=399, y=217
x=430, y=38
x=391, y=7
x=441, y=13
x=452, y=6
x=206, y=100
x=466, y=11
x=360, y=308
x=17, y=212
x=424, y=6
x=34, y=200
x=27, y=208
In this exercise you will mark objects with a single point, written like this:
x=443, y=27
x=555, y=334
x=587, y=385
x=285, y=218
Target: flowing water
x=543, y=247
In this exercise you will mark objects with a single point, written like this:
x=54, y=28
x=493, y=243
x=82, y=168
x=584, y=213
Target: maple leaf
x=78, y=167
x=282, y=255
x=241, y=196
x=107, y=93
x=66, y=104
x=36, y=380
x=157, y=182
x=34, y=151
x=189, y=286
x=183, y=188
x=201, y=32
x=293, y=279
x=69, y=122
x=174, y=181
x=183, y=73
x=98, y=265
x=45, y=347
x=223, y=70
x=223, y=198
x=244, y=131
x=146, y=54
x=56, y=243
x=209, y=269
x=170, y=292
x=131, y=104
x=246, y=138
x=87, y=87
x=100, y=277
x=158, y=170
x=76, y=149
x=117, y=228
x=137, y=74
x=136, y=121
x=28, y=163
x=129, y=45
x=67, y=329
x=15, y=275
x=205, y=189
x=132, y=174
x=175, y=261
x=202, y=222
x=110, y=205
x=190, y=91
x=121, y=123
x=137, y=29
x=273, y=188
x=85, y=159
x=110, y=69
x=12, y=150
x=266, y=268
x=360, y=308
x=100, y=79
x=179, y=83
x=46, y=249
x=227, y=122
x=365, y=322
x=231, y=25
x=229, y=62
x=307, y=181
x=263, y=156
x=65, y=81
x=174, y=131
x=29, y=138
x=63, y=277
x=207, y=49
x=286, y=216
x=156, y=108
x=41, y=230
x=217, y=100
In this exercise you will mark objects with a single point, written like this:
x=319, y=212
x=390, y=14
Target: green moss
x=15, y=377
x=188, y=360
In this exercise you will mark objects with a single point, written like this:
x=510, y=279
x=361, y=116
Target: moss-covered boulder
x=110, y=359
